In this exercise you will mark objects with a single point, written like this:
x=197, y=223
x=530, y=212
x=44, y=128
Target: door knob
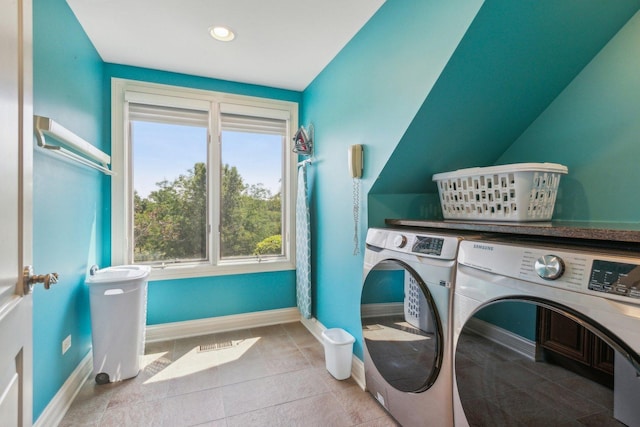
x=31, y=279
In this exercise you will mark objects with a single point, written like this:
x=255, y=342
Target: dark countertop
x=627, y=234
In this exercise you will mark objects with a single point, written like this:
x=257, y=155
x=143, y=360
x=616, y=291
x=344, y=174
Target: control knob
x=549, y=267
x=399, y=241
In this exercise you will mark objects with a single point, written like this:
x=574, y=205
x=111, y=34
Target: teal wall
x=384, y=286
x=513, y=61
x=176, y=79
x=517, y=317
x=203, y=297
x=418, y=114
x=403, y=95
x=72, y=205
x=368, y=95
x=68, y=210
x=515, y=58
x=195, y=82
x=593, y=127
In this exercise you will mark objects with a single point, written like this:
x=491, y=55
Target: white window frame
x=123, y=90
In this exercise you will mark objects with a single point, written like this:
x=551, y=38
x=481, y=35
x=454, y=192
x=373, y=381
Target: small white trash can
x=338, y=350
x=118, y=300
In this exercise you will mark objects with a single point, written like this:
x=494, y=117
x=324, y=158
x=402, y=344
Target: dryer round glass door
x=401, y=327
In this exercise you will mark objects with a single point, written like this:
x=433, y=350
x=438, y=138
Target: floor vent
x=216, y=346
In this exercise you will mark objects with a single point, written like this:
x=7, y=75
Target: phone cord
x=356, y=215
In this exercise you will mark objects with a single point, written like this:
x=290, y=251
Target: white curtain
x=303, y=245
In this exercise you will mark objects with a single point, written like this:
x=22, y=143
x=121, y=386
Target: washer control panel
x=590, y=272
x=549, y=267
x=615, y=278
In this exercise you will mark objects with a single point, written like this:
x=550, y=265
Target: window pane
x=251, y=205
x=170, y=192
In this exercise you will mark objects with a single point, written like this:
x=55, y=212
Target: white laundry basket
x=517, y=192
x=118, y=300
x=338, y=350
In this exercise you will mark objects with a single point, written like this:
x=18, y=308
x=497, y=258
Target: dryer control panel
x=428, y=245
x=440, y=246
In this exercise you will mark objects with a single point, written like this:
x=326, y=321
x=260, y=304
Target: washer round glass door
x=401, y=327
x=564, y=376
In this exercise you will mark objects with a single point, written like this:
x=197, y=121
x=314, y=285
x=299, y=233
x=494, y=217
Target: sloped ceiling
x=514, y=60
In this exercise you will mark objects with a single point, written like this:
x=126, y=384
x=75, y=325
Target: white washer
x=405, y=312
x=597, y=288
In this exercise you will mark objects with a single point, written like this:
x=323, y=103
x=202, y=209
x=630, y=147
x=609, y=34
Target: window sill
x=193, y=271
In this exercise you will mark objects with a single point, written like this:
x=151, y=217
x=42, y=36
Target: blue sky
x=163, y=151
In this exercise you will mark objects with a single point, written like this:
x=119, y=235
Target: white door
x=16, y=147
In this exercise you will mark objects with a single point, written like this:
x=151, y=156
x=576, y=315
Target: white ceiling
x=279, y=43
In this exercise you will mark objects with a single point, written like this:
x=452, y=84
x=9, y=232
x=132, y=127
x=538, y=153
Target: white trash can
x=118, y=300
x=338, y=350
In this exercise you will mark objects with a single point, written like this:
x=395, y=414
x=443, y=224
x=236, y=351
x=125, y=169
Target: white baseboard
x=59, y=405
x=503, y=337
x=191, y=328
x=314, y=326
x=382, y=309
x=357, y=372
x=357, y=366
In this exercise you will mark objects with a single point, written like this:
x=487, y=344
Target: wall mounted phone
x=356, y=160
x=356, y=164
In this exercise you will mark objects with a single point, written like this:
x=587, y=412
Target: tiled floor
x=499, y=387
x=271, y=376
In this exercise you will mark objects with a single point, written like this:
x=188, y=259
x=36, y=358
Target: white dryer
x=596, y=290
x=405, y=312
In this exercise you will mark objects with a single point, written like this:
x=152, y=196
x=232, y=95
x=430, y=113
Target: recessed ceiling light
x=222, y=33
